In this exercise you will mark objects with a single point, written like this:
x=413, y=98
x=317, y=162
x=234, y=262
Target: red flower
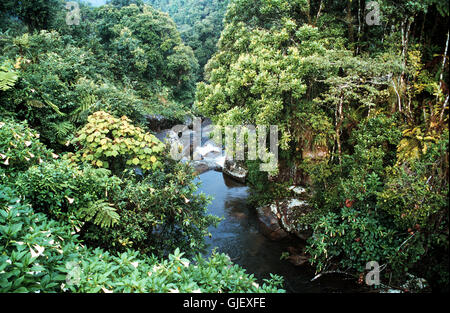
x=349, y=203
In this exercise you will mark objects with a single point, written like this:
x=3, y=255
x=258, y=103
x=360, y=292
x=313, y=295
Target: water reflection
x=238, y=236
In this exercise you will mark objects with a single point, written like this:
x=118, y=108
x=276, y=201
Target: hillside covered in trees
x=200, y=23
x=359, y=94
x=362, y=111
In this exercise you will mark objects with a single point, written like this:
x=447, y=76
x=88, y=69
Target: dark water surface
x=237, y=235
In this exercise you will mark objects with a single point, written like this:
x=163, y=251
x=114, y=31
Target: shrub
x=115, y=143
x=96, y=96
x=385, y=208
x=160, y=212
x=32, y=248
x=352, y=238
x=415, y=199
x=41, y=255
x=64, y=192
x=351, y=230
x=128, y=272
x=20, y=148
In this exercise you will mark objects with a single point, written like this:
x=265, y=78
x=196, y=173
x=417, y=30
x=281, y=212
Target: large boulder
x=290, y=212
x=236, y=170
x=269, y=224
x=205, y=165
x=298, y=260
x=285, y=215
x=200, y=168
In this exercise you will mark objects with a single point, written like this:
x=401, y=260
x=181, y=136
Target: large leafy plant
x=158, y=213
x=32, y=247
x=115, y=143
x=352, y=238
x=41, y=255
x=8, y=76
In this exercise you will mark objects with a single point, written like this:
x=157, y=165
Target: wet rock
x=180, y=142
x=194, y=146
x=236, y=170
x=201, y=168
x=205, y=165
x=287, y=214
x=269, y=225
x=294, y=250
x=290, y=211
x=208, y=151
x=210, y=156
x=239, y=215
x=298, y=260
x=188, y=121
x=416, y=284
x=297, y=256
x=298, y=190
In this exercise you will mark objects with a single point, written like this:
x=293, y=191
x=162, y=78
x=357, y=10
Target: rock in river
x=236, y=170
x=284, y=215
x=269, y=225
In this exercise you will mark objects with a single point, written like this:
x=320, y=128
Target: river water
x=237, y=235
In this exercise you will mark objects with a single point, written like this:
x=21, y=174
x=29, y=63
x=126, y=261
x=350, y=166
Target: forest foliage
x=363, y=116
x=90, y=200
x=362, y=112
x=200, y=23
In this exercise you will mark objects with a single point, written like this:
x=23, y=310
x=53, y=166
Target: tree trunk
x=405, y=30
x=351, y=36
x=308, y=12
x=441, y=78
x=339, y=122
x=358, y=46
x=319, y=12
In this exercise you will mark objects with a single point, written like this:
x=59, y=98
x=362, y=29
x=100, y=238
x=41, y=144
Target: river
x=237, y=235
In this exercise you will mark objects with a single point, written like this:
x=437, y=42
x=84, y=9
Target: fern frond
x=54, y=107
x=7, y=80
x=100, y=213
x=39, y=104
x=62, y=129
x=35, y=103
x=85, y=107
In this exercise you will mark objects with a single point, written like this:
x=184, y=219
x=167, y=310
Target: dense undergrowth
x=362, y=112
x=90, y=200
